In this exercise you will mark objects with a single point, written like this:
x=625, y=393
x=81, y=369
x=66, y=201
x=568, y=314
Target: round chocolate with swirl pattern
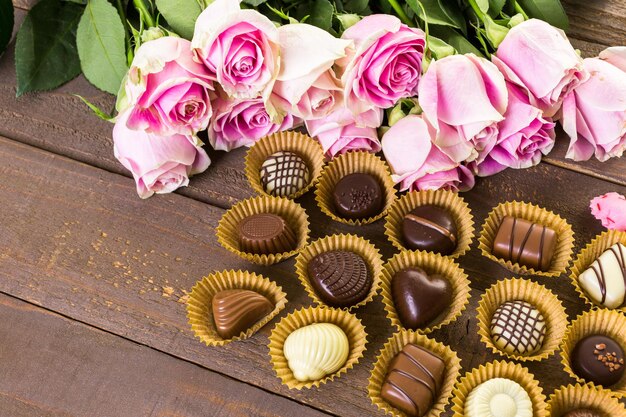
x=517, y=327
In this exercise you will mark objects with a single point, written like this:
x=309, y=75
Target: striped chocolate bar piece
x=525, y=243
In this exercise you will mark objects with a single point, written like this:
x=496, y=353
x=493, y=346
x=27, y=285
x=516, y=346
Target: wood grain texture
x=52, y=366
x=77, y=241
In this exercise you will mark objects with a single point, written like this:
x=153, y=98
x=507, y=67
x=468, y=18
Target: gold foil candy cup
x=303, y=145
x=588, y=255
x=535, y=294
x=350, y=163
x=611, y=323
x=588, y=396
x=432, y=264
x=199, y=304
x=348, y=322
x=448, y=200
x=392, y=347
x=342, y=242
x=535, y=214
x=291, y=212
x=499, y=369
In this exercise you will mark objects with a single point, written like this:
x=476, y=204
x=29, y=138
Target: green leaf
x=181, y=15
x=455, y=39
x=549, y=10
x=483, y=5
x=356, y=6
x=495, y=7
x=45, y=49
x=6, y=23
x=439, y=12
x=321, y=14
x=101, y=46
x=97, y=111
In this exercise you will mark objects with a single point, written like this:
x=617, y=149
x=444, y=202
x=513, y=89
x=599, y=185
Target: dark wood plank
x=55, y=367
x=597, y=21
x=77, y=241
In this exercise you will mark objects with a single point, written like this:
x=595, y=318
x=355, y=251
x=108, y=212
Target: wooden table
x=93, y=280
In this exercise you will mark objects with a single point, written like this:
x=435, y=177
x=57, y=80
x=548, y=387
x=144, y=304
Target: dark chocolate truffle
x=266, y=233
x=582, y=412
x=235, y=311
x=419, y=298
x=413, y=380
x=358, y=196
x=517, y=327
x=599, y=359
x=284, y=173
x=430, y=228
x=339, y=278
x=525, y=243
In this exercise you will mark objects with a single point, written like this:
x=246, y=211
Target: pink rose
x=539, y=58
x=165, y=90
x=610, y=209
x=385, y=64
x=594, y=114
x=339, y=132
x=464, y=97
x=239, y=47
x=616, y=56
x=306, y=85
x=523, y=136
x=239, y=123
x=159, y=164
x=417, y=163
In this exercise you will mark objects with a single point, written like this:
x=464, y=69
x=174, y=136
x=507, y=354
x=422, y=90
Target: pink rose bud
x=166, y=91
x=239, y=47
x=594, y=114
x=464, y=97
x=159, y=164
x=539, y=58
x=610, y=209
x=385, y=64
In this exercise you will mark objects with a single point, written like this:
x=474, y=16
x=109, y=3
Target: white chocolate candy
x=605, y=280
x=498, y=397
x=316, y=350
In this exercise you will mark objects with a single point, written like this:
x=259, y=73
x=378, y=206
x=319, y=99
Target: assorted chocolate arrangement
x=521, y=237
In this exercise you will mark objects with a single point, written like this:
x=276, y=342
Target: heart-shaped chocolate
x=420, y=298
x=236, y=310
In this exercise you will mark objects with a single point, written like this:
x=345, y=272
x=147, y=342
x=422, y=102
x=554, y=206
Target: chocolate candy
x=235, y=311
x=430, y=228
x=525, y=243
x=413, y=380
x=599, y=359
x=605, y=280
x=358, y=196
x=517, y=327
x=316, y=350
x=582, y=412
x=266, y=233
x=420, y=299
x=284, y=173
x=498, y=397
x=339, y=278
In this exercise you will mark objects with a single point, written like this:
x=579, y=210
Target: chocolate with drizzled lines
x=604, y=281
x=526, y=243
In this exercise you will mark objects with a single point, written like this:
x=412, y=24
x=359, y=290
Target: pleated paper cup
x=199, y=305
x=302, y=145
x=291, y=212
x=351, y=163
x=588, y=396
x=588, y=255
x=348, y=322
x=393, y=346
x=448, y=200
x=350, y=243
x=609, y=323
x=535, y=294
x=432, y=264
x=535, y=214
x=499, y=369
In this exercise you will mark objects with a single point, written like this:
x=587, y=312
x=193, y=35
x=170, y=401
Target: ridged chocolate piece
x=599, y=359
x=358, y=196
x=284, y=173
x=518, y=327
x=235, y=311
x=339, y=278
x=430, y=228
x=525, y=243
x=413, y=380
x=582, y=412
x=266, y=233
x=605, y=280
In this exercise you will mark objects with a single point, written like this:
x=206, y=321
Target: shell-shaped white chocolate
x=498, y=397
x=605, y=280
x=316, y=350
